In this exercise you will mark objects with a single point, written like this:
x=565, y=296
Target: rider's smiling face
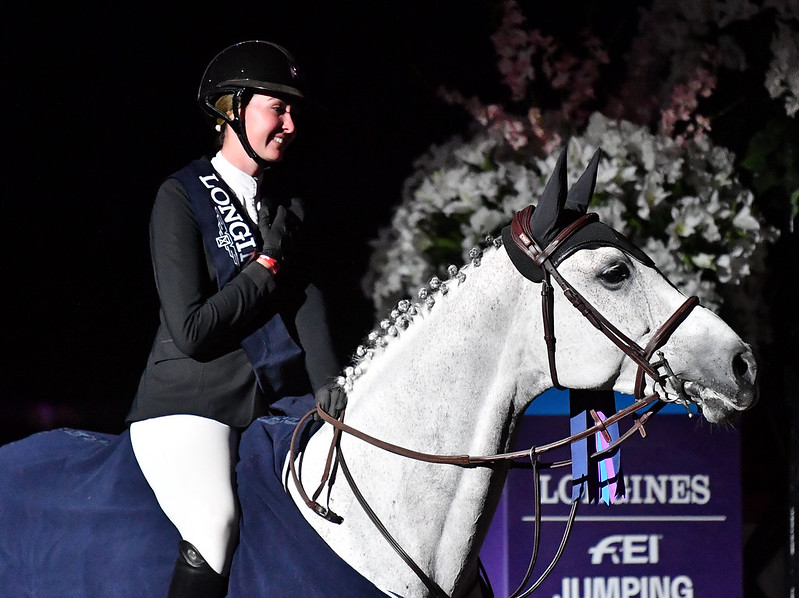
x=269, y=122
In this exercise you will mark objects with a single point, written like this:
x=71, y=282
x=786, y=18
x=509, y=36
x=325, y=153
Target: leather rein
x=642, y=356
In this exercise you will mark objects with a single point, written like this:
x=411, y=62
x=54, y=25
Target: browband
x=585, y=232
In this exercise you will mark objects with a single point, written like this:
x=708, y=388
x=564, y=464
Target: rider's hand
x=332, y=398
x=279, y=233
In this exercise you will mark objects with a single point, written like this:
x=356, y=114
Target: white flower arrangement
x=782, y=78
x=680, y=202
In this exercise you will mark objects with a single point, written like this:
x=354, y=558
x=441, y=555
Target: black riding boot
x=193, y=577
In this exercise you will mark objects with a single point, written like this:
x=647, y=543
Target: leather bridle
x=525, y=241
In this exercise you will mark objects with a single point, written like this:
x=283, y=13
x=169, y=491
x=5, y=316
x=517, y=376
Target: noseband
x=524, y=240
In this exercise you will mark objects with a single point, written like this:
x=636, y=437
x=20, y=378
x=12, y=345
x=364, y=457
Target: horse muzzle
x=721, y=387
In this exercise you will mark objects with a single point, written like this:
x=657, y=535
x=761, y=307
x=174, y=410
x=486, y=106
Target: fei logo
x=629, y=549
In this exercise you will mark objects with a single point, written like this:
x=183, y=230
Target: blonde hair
x=224, y=104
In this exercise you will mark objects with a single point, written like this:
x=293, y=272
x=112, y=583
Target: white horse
x=454, y=381
x=458, y=380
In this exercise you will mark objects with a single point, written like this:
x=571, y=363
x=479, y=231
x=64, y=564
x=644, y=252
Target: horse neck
x=463, y=370
x=456, y=381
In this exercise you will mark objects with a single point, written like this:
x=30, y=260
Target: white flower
x=681, y=203
x=703, y=260
x=485, y=219
x=782, y=77
x=745, y=220
x=611, y=212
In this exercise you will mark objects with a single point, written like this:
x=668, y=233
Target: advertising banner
x=676, y=534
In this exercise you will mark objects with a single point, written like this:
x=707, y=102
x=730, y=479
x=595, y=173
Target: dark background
x=100, y=105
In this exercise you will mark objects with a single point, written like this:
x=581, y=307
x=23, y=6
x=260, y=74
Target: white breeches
x=189, y=462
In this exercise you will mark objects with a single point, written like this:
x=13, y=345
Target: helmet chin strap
x=239, y=129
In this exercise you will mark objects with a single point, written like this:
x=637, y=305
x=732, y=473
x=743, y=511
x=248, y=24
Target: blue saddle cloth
x=78, y=520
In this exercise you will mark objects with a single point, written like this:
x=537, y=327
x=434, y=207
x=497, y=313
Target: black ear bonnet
x=558, y=208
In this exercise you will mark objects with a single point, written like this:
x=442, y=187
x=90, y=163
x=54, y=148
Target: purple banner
x=676, y=534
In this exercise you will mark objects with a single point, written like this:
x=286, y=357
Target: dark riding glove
x=332, y=398
x=279, y=233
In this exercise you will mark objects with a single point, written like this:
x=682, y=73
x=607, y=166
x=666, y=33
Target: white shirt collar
x=242, y=184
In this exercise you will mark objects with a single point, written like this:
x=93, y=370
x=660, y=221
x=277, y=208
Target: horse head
x=677, y=350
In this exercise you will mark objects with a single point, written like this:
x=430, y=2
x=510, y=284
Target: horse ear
x=544, y=222
x=580, y=194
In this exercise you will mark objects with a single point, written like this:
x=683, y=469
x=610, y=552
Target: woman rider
x=242, y=330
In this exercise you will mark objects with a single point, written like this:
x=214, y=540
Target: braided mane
x=408, y=310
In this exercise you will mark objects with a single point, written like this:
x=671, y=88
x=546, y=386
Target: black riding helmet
x=245, y=68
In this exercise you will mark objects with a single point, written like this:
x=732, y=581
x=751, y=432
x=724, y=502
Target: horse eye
x=614, y=275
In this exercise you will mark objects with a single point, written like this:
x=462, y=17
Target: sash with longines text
x=228, y=236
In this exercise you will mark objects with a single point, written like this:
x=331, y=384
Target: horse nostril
x=743, y=366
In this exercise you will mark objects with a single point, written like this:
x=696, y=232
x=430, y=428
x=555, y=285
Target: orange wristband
x=269, y=263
